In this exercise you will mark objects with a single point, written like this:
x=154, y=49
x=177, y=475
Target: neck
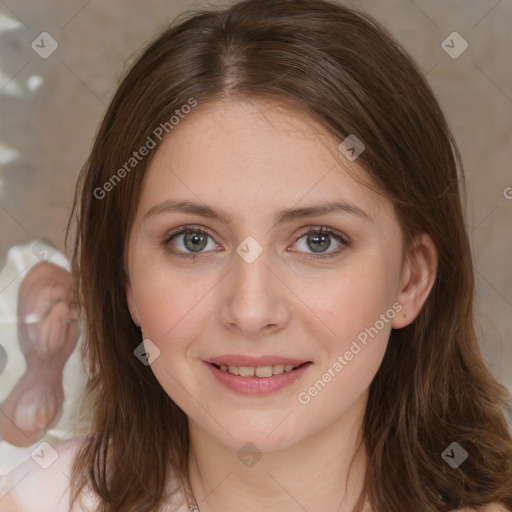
x=321, y=473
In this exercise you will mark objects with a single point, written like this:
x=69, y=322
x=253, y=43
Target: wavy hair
x=343, y=70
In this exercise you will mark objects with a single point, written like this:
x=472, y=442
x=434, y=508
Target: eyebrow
x=281, y=217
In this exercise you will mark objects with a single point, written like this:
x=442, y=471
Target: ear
x=418, y=277
x=132, y=306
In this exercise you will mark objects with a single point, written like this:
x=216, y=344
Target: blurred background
x=60, y=63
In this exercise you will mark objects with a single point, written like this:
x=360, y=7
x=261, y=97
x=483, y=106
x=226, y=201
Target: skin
x=253, y=159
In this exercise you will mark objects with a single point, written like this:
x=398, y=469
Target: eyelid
x=324, y=230
x=189, y=227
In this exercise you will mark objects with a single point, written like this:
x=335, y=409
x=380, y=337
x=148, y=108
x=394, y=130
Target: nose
x=254, y=301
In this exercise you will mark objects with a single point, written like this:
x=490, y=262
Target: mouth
x=257, y=376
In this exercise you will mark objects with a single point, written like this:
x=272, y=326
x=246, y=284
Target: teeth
x=246, y=371
x=263, y=371
x=260, y=371
x=277, y=369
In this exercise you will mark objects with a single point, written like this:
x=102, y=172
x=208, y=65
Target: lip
x=258, y=386
x=241, y=360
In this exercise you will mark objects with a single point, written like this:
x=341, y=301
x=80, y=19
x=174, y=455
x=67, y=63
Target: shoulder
x=41, y=483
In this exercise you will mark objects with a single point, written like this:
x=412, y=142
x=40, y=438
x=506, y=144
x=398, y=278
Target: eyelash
x=310, y=231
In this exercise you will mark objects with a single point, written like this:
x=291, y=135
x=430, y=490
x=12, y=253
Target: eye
x=319, y=240
x=190, y=241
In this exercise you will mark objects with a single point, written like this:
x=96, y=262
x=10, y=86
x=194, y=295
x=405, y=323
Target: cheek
x=358, y=309
x=351, y=301
x=352, y=355
x=173, y=306
x=171, y=314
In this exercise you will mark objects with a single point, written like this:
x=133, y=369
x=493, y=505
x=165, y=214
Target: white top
x=41, y=483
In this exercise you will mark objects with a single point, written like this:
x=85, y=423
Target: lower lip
x=257, y=385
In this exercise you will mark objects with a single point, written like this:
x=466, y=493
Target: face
x=223, y=274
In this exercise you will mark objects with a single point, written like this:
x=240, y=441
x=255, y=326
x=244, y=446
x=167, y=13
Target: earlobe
x=132, y=306
x=418, y=277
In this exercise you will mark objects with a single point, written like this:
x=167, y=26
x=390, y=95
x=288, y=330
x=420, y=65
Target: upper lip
x=240, y=360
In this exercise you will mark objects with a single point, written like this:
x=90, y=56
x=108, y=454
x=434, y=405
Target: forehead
x=255, y=156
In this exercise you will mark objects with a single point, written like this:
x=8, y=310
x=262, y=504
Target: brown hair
x=347, y=73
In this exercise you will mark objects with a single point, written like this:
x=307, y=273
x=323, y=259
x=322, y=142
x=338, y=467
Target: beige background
x=50, y=109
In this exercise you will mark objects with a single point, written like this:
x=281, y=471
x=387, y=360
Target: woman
x=277, y=281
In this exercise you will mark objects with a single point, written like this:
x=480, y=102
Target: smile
x=257, y=380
